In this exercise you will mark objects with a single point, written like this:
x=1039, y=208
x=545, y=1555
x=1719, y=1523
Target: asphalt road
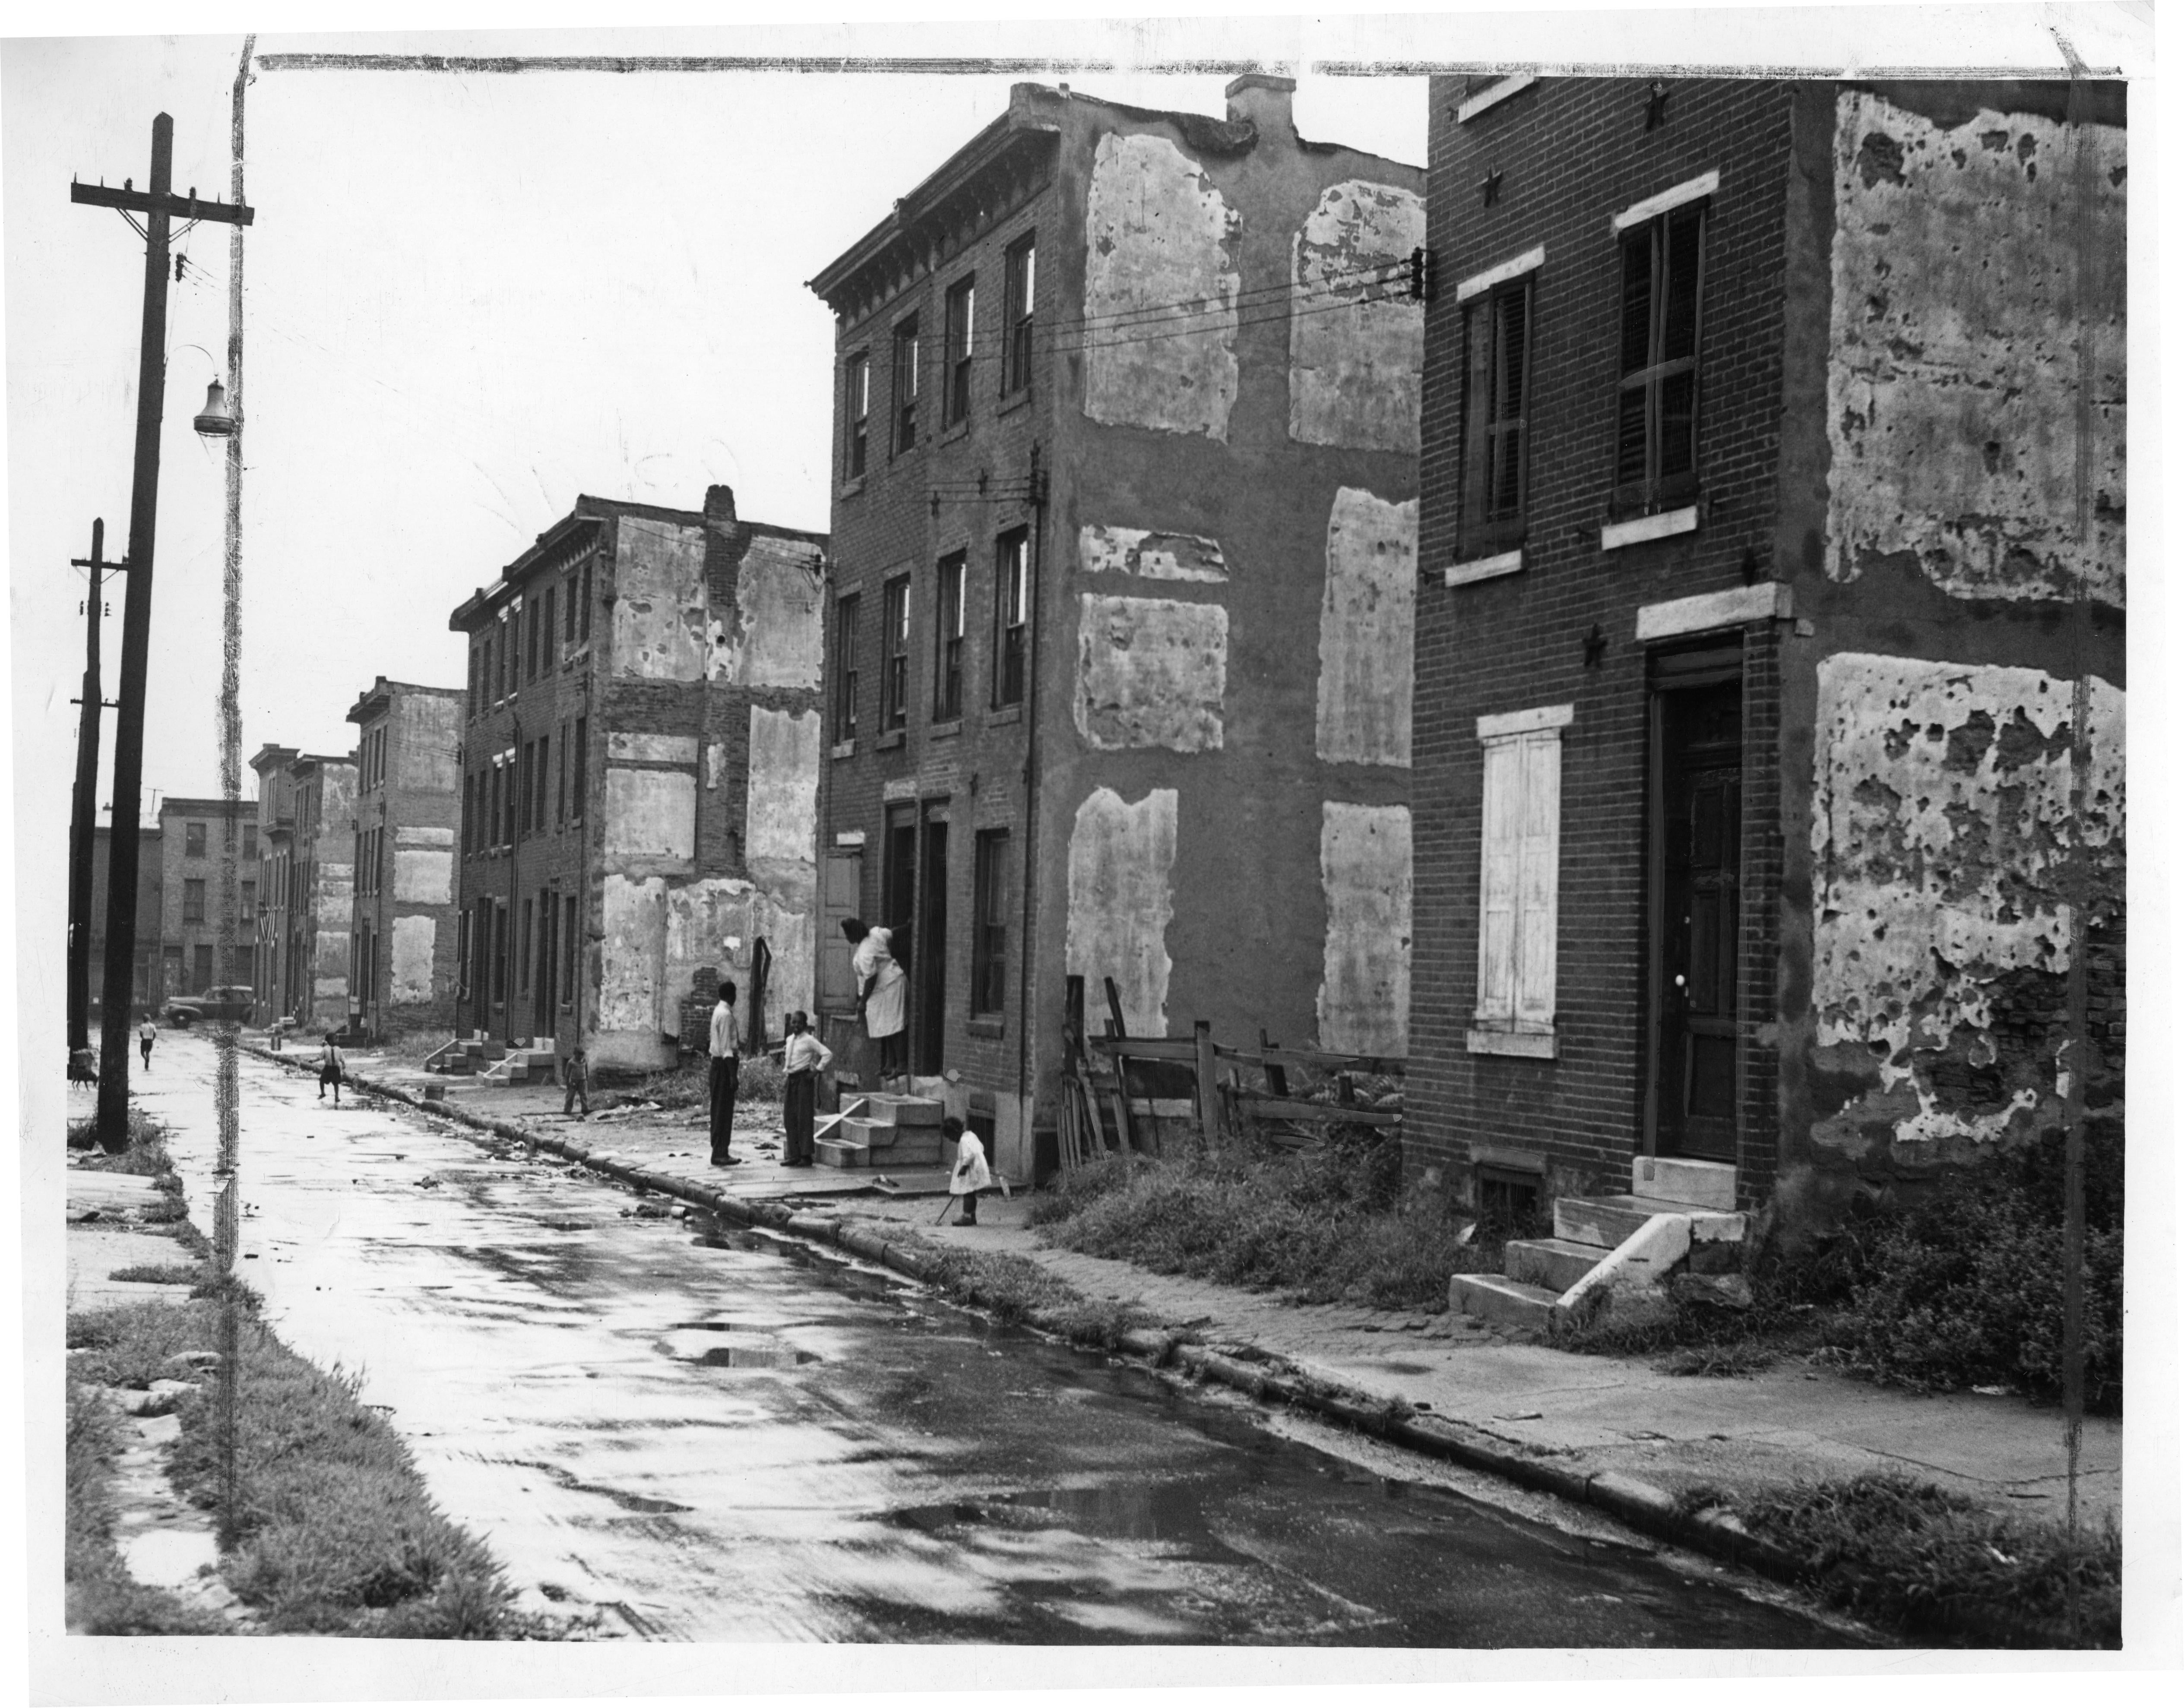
x=701, y=1434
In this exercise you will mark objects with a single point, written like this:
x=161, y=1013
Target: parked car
x=221, y=1002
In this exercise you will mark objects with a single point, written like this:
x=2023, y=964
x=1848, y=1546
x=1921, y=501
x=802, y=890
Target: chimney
x=720, y=504
x=1265, y=102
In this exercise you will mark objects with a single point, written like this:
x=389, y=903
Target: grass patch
x=103, y=1600
x=146, y=1155
x=1332, y=1224
x=1934, y=1566
x=689, y=1086
x=1016, y=1289
x=164, y=1274
x=337, y=1533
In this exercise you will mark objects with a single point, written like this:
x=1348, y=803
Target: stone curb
x=1643, y=1506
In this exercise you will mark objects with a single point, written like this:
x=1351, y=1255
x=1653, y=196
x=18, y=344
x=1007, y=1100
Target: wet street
x=710, y=1435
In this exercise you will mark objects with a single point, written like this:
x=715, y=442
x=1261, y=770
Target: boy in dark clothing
x=331, y=1064
x=576, y=1077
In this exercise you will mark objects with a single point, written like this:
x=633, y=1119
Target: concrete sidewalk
x=1595, y=1415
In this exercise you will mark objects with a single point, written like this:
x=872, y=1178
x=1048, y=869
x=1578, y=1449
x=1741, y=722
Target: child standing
x=972, y=1176
x=803, y=1059
x=576, y=1077
x=333, y=1064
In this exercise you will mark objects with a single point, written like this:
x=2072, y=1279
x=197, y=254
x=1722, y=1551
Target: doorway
x=1697, y=840
x=927, y=1057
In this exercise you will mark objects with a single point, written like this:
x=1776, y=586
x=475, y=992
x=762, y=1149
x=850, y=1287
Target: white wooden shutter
x=1539, y=852
x=1500, y=833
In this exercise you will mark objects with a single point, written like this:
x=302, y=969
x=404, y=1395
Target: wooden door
x=841, y=880
x=1699, y=805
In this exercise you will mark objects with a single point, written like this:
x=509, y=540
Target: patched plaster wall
x=697, y=919
x=1152, y=673
x=633, y=915
x=779, y=634
x=409, y=961
x=1367, y=621
x=1365, y=981
x=1354, y=370
x=660, y=615
x=1154, y=555
x=1158, y=233
x=1122, y=854
x=784, y=795
x=1943, y=844
x=1954, y=379
x=650, y=817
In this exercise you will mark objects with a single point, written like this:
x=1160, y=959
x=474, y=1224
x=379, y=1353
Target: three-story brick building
x=1124, y=529
x=196, y=836
x=409, y=810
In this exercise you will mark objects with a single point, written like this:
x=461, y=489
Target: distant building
x=321, y=882
x=407, y=812
x=195, y=835
x=146, y=991
x=640, y=762
x=1124, y=525
x=271, y=996
x=1774, y=540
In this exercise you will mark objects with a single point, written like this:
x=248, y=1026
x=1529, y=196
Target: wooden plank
x=1321, y=1060
x=1278, y=1081
x=1268, y=1106
x=1183, y=1050
x=1125, y=1128
x=1209, y=1087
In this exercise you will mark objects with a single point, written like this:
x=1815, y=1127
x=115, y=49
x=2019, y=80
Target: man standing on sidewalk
x=721, y=1061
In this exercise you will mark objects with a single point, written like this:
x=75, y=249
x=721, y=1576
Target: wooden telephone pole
x=158, y=205
x=83, y=822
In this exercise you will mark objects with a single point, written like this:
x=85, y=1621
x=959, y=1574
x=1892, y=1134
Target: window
x=539, y=789
x=470, y=809
x=845, y=670
x=576, y=772
x=895, y=684
x=475, y=650
x=378, y=861
x=249, y=897
x=193, y=901
x=905, y=385
x=531, y=642
x=962, y=301
x=948, y=640
x=1497, y=349
x=1657, y=406
x=569, y=611
x=1520, y=855
x=193, y=840
x=523, y=951
x=561, y=778
x=856, y=405
x=1011, y=606
x=569, y=949
x=496, y=775
x=550, y=928
x=584, y=604
x=1017, y=291
x=500, y=951
x=546, y=623
x=990, y=924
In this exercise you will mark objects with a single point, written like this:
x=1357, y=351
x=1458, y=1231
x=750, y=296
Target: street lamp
x=216, y=421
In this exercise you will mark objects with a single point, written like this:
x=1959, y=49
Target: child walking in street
x=576, y=1077
x=333, y=1064
x=803, y=1059
x=145, y=1034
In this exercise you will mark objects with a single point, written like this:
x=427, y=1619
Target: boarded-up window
x=1519, y=853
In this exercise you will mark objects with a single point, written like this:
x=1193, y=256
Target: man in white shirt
x=720, y=1055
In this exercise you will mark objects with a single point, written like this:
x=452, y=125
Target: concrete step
x=838, y=1153
x=1497, y=1299
x=1609, y=1221
x=1557, y=1265
x=1685, y=1180
x=893, y=1108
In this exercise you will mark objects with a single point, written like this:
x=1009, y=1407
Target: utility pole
x=84, y=821
x=158, y=205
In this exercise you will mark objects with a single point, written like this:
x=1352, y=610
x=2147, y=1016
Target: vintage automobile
x=221, y=1002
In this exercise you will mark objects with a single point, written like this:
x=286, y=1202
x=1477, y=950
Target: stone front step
x=893, y=1108
x=1497, y=1299
x=1609, y=1221
x=1685, y=1180
x=1557, y=1265
x=835, y=1153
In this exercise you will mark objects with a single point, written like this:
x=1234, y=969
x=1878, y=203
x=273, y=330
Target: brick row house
x=306, y=875
x=1770, y=651
x=151, y=903
x=1124, y=535
x=276, y=823
x=407, y=812
x=640, y=752
x=196, y=835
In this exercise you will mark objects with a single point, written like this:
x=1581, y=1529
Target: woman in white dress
x=881, y=988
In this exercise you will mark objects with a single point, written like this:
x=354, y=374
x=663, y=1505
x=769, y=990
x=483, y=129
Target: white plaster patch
x=700, y=916
x=632, y=920
x=410, y=962
x=629, y=744
x=1354, y=369
x=424, y=875
x=1365, y=978
x=1152, y=673
x=424, y=837
x=427, y=743
x=1121, y=898
x=1160, y=242
x=717, y=763
x=1953, y=371
x=1156, y=556
x=781, y=823
x=651, y=817
x=778, y=638
x=1942, y=835
x=1366, y=623
x=658, y=618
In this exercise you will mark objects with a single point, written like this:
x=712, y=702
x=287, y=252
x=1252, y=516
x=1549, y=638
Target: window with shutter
x=1520, y=835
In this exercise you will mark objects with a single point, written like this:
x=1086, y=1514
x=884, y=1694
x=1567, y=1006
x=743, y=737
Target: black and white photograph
x=1199, y=849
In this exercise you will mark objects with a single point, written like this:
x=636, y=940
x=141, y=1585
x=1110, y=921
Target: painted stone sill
x=892, y=738
x=1004, y=715
x=950, y=435
x=1702, y=613
x=852, y=488
x=1484, y=568
x=1540, y=1045
x=843, y=750
x=1639, y=529
x=982, y=1026
x=941, y=733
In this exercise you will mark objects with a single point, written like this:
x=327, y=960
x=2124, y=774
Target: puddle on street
x=719, y=1435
